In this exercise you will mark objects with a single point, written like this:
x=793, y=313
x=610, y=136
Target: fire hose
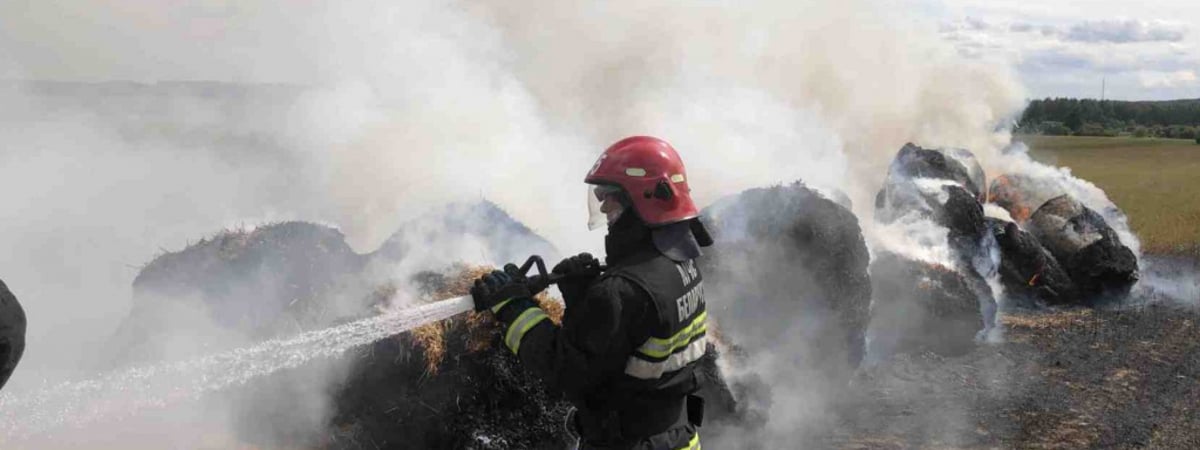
x=450, y=307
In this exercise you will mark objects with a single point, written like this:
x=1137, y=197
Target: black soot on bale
x=924, y=306
x=1103, y=269
x=12, y=333
x=788, y=274
x=271, y=280
x=945, y=186
x=940, y=306
x=1030, y=274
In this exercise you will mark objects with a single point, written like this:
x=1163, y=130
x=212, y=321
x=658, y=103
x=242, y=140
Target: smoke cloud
x=363, y=115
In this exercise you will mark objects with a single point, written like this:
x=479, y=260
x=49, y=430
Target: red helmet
x=650, y=171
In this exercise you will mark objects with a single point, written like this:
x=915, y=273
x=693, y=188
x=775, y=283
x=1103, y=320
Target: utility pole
x=1103, y=87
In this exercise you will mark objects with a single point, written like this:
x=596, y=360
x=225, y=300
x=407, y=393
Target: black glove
x=583, y=265
x=499, y=286
x=577, y=272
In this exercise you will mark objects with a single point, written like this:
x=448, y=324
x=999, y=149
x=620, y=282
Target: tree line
x=1178, y=119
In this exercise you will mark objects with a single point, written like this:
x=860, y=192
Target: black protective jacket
x=626, y=351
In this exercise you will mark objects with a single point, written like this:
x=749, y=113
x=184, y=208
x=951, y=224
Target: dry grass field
x=1155, y=181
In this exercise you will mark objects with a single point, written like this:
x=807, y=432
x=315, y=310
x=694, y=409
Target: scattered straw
x=479, y=329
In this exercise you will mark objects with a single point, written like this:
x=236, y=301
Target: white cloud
x=1021, y=27
x=1102, y=59
x=1176, y=79
x=977, y=24
x=1126, y=31
x=1067, y=47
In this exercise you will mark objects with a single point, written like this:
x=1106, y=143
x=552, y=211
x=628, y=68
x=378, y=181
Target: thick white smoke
x=406, y=105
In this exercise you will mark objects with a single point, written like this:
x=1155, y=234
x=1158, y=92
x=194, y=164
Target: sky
x=1134, y=50
x=1145, y=50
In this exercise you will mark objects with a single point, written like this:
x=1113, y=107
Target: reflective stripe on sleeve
x=693, y=443
x=648, y=370
x=496, y=309
x=659, y=348
x=524, y=323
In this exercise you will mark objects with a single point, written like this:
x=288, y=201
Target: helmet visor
x=604, y=205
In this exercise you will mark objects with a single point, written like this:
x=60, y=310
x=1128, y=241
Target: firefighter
x=631, y=337
x=12, y=333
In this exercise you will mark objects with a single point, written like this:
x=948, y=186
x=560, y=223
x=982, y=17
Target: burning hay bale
x=1100, y=266
x=1018, y=194
x=956, y=165
x=785, y=261
x=963, y=217
x=965, y=158
x=240, y=287
x=938, y=185
x=12, y=333
x=1089, y=250
x=923, y=306
x=277, y=278
x=450, y=384
x=1029, y=273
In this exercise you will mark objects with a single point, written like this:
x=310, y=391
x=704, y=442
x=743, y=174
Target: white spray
x=128, y=392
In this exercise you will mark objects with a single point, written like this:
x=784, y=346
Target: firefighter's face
x=604, y=205
x=610, y=205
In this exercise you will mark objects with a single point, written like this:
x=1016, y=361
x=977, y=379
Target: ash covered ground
x=1076, y=378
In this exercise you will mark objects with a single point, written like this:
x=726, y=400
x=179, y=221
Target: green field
x=1155, y=181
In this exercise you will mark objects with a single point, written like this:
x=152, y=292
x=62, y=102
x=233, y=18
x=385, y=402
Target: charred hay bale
x=946, y=204
x=1029, y=273
x=725, y=400
x=786, y=261
x=243, y=286
x=12, y=333
x=924, y=306
x=963, y=217
x=1084, y=244
x=957, y=165
x=1022, y=194
x=964, y=157
x=475, y=228
x=944, y=186
x=259, y=283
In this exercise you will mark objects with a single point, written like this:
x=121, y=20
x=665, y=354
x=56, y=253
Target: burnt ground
x=1072, y=378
